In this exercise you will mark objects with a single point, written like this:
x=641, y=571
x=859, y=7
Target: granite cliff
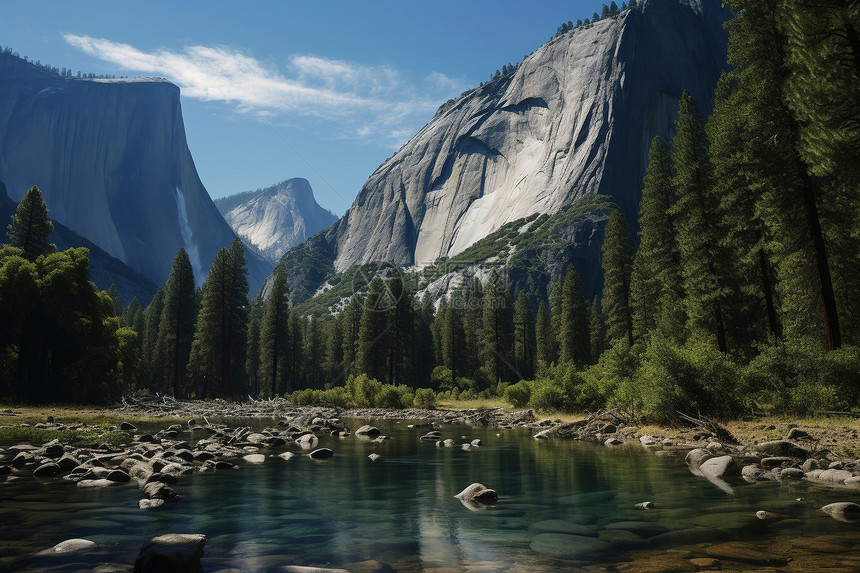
x=111, y=159
x=575, y=118
x=276, y=218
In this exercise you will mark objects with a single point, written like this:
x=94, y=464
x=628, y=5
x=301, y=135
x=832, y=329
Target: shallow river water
x=563, y=506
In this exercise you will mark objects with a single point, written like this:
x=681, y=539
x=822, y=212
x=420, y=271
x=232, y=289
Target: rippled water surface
x=562, y=506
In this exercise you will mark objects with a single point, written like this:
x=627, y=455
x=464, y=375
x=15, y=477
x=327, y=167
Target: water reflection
x=561, y=505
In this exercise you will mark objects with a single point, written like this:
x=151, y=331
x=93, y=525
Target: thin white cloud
x=367, y=101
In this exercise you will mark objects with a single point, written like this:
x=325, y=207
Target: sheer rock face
x=279, y=217
x=111, y=159
x=576, y=117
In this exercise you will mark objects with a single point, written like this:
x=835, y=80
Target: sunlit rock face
x=278, y=217
x=113, y=164
x=576, y=117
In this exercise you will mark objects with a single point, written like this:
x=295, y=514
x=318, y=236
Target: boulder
x=367, y=430
x=71, y=547
x=695, y=458
x=307, y=441
x=159, y=490
x=719, y=467
x=373, y=457
x=150, y=503
x=775, y=461
x=846, y=511
x=783, y=448
x=174, y=552
x=49, y=469
x=432, y=435
x=286, y=455
x=68, y=462
x=613, y=442
x=477, y=493
x=321, y=454
x=790, y=474
x=797, y=434
x=645, y=505
x=254, y=458
x=118, y=476
x=127, y=427
x=96, y=483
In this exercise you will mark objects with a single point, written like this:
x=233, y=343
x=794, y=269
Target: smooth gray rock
x=75, y=138
x=477, y=495
x=150, y=503
x=173, y=552
x=695, y=458
x=302, y=569
x=783, y=448
x=276, y=218
x=254, y=458
x=576, y=117
x=321, y=454
x=843, y=511
x=127, y=427
x=373, y=457
x=719, y=467
x=367, y=430
x=47, y=470
x=307, y=442
x=71, y=547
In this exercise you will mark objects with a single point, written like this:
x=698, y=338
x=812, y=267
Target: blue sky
x=276, y=89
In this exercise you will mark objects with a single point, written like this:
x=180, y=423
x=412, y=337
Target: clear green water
x=400, y=510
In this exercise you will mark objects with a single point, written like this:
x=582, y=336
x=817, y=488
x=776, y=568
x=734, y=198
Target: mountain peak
x=276, y=218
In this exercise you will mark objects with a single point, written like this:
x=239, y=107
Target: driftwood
x=720, y=432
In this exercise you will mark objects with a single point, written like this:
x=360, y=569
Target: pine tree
x=545, y=337
x=453, y=335
x=113, y=293
x=596, y=329
x=573, y=337
x=399, y=328
x=422, y=341
x=698, y=232
x=473, y=319
x=498, y=330
x=524, y=337
x=617, y=264
x=219, y=345
x=149, y=372
x=30, y=226
x=275, y=344
x=252, y=357
x=555, y=317
x=372, y=333
x=351, y=324
x=176, y=326
x=313, y=353
x=333, y=365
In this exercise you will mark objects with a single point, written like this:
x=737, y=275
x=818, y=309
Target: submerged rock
x=171, y=552
x=367, y=430
x=477, y=496
x=321, y=454
x=70, y=547
x=846, y=511
x=569, y=546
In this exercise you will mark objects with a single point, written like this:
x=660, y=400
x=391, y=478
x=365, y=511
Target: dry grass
x=65, y=414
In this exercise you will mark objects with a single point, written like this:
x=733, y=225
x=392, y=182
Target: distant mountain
x=105, y=270
x=573, y=120
x=276, y=218
x=111, y=159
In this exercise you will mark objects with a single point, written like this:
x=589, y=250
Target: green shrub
x=442, y=378
x=519, y=394
x=425, y=398
x=548, y=396
x=696, y=379
x=387, y=397
x=363, y=390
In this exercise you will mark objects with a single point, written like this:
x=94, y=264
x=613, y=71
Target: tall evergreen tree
x=399, y=331
x=656, y=284
x=351, y=324
x=149, y=371
x=498, y=331
x=617, y=266
x=698, y=232
x=313, y=353
x=473, y=318
x=525, y=344
x=422, y=341
x=573, y=340
x=333, y=365
x=218, y=348
x=372, y=333
x=275, y=344
x=176, y=326
x=252, y=357
x=453, y=335
x=596, y=329
x=30, y=226
x=545, y=337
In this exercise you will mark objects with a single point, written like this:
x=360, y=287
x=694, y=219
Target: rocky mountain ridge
x=276, y=218
x=113, y=164
x=576, y=117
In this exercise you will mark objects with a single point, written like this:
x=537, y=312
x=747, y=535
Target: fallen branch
x=712, y=426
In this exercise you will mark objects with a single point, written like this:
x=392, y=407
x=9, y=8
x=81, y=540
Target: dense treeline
x=739, y=293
